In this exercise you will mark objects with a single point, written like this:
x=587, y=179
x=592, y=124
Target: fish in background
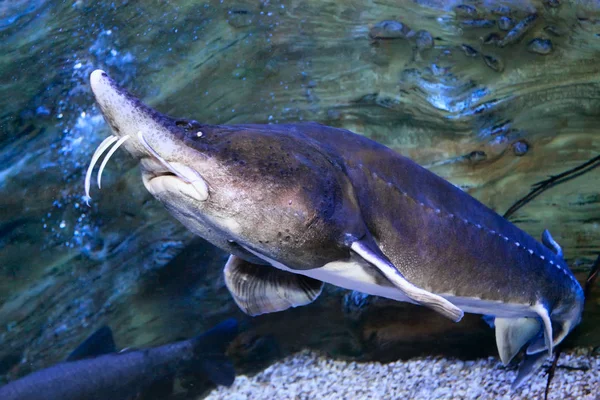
x=302, y=204
x=94, y=371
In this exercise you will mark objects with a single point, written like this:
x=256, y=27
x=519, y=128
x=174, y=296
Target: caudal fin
x=210, y=347
x=528, y=367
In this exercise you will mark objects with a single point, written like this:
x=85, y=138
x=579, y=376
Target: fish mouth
x=161, y=181
x=177, y=171
x=153, y=169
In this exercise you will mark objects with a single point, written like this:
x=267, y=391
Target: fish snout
x=144, y=133
x=126, y=115
x=108, y=97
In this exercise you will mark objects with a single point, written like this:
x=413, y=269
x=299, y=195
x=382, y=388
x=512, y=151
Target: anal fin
x=512, y=334
x=373, y=255
x=260, y=289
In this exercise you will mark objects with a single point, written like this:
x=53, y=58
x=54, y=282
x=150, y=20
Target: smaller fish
x=94, y=371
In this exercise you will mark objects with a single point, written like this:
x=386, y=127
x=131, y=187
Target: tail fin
x=210, y=348
x=529, y=366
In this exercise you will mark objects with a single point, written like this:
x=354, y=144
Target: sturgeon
x=297, y=205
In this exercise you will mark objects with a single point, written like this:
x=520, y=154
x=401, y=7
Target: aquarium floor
x=307, y=375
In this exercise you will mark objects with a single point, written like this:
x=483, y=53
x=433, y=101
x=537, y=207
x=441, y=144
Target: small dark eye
x=188, y=124
x=193, y=124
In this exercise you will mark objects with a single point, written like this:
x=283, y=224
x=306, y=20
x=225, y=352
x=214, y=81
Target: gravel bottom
x=307, y=375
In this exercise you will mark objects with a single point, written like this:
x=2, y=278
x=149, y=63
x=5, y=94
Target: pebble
x=493, y=62
x=505, y=23
x=492, y=38
x=390, y=29
x=479, y=23
x=468, y=50
x=518, y=31
x=520, y=147
x=424, y=40
x=476, y=156
x=501, y=10
x=553, y=30
x=465, y=10
x=540, y=46
x=552, y=3
x=307, y=375
x=240, y=17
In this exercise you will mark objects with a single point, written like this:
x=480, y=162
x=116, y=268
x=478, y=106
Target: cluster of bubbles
x=81, y=125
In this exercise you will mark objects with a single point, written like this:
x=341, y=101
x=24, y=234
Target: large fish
x=89, y=373
x=297, y=205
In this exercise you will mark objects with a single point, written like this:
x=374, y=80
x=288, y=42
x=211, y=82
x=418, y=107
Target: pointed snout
x=128, y=116
x=96, y=78
x=147, y=134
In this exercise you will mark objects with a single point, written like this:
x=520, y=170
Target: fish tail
x=209, y=353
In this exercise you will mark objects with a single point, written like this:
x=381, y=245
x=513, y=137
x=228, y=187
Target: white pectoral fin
x=512, y=334
x=421, y=296
x=261, y=289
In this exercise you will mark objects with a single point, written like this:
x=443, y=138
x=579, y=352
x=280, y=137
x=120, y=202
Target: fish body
x=129, y=374
x=322, y=204
x=444, y=240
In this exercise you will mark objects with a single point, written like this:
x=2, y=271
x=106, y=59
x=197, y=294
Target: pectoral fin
x=260, y=289
x=512, y=334
x=373, y=255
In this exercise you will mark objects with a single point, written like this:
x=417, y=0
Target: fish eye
x=188, y=124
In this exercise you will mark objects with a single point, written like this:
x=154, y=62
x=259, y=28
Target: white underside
x=355, y=275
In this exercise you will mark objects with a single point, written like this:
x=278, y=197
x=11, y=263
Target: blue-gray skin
x=322, y=204
x=130, y=374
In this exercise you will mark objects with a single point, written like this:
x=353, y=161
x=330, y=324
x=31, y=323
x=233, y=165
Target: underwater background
x=494, y=96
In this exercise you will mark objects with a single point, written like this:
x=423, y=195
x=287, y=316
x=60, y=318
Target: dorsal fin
x=550, y=243
x=98, y=343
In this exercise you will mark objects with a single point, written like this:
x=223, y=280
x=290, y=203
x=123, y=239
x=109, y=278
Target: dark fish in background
x=130, y=374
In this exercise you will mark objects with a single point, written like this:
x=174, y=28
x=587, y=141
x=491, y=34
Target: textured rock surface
x=439, y=82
